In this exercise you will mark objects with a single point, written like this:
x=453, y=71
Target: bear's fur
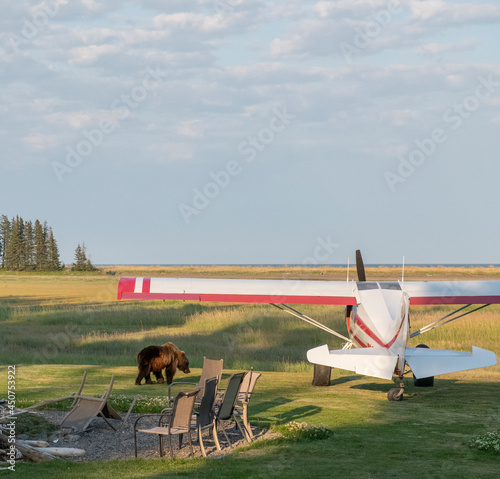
x=152, y=359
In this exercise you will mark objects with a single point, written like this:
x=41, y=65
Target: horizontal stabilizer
x=425, y=362
x=376, y=362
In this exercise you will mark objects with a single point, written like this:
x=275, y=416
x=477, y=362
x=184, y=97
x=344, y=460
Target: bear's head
x=183, y=363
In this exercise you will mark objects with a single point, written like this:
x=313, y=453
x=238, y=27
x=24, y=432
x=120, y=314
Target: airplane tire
x=392, y=395
x=423, y=382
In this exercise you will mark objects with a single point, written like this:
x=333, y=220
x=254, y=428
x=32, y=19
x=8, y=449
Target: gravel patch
x=101, y=443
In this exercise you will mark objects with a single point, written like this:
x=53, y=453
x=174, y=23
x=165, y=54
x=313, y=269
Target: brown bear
x=152, y=359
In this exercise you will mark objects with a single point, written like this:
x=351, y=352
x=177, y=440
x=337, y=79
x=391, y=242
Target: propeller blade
x=360, y=267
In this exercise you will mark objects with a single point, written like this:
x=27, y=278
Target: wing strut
x=441, y=321
x=307, y=319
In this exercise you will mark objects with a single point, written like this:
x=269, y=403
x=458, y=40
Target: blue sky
x=231, y=131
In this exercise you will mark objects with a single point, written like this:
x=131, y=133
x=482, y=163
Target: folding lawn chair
x=85, y=408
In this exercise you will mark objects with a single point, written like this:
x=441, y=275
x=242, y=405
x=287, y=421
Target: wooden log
x=28, y=452
x=31, y=443
x=33, y=454
x=63, y=451
x=322, y=375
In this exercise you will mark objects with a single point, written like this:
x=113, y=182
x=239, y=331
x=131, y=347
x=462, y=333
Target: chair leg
x=170, y=446
x=214, y=434
x=242, y=430
x=225, y=434
x=107, y=422
x=245, y=420
x=160, y=439
x=190, y=443
x=200, y=440
x=135, y=442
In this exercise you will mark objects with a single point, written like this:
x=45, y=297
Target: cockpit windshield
x=366, y=285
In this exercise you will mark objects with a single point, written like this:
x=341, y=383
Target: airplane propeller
x=360, y=267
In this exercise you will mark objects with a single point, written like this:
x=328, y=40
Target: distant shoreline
x=381, y=272
x=291, y=265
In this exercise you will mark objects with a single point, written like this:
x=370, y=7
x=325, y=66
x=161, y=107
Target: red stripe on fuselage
x=362, y=325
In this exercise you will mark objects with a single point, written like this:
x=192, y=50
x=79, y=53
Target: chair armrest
x=219, y=396
x=160, y=416
x=175, y=384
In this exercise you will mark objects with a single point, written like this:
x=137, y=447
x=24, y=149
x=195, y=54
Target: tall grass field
x=55, y=326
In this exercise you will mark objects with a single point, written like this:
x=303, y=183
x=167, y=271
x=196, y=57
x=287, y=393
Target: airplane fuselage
x=381, y=319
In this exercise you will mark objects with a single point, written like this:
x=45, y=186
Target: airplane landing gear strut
x=396, y=394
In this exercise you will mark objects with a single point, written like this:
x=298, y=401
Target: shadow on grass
x=343, y=379
x=425, y=438
x=113, y=334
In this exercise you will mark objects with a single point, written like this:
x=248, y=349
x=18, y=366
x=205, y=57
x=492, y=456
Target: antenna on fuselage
x=403, y=274
x=347, y=269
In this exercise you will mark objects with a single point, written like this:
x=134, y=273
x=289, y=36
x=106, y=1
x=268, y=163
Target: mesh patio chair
x=205, y=416
x=85, y=408
x=179, y=422
x=212, y=368
x=226, y=408
x=243, y=399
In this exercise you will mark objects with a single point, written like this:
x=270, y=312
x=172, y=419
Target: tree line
x=28, y=246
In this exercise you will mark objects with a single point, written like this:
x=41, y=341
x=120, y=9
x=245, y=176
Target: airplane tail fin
x=377, y=362
x=425, y=362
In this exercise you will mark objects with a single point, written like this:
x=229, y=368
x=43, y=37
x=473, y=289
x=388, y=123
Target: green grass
x=53, y=327
x=428, y=432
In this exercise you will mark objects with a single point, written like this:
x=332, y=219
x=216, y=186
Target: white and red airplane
x=377, y=317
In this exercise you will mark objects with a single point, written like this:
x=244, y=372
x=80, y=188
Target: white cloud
x=400, y=117
x=75, y=120
x=40, y=141
x=359, y=8
x=90, y=4
x=192, y=128
x=168, y=151
x=194, y=22
x=447, y=13
x=438, y=48
x=89, y=54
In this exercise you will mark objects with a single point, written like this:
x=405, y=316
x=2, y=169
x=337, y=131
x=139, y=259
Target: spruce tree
x=8, y=260
x=14, y=251
x=54, y=262
x=4, y=237
x=24, y=247
x=40, y=247
x=80, y=258
x=82, y=263
x=29, y=260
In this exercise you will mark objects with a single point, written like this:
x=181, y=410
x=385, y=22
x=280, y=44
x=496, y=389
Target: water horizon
x=293, y=265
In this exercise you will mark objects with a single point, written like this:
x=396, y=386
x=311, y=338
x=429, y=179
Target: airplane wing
x=425, y=362
x=377, y=361
x=453, y=292
x=239, y=290
x=380, y=362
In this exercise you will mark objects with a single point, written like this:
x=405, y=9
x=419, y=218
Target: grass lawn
x=54, y=327
x=427, y=432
